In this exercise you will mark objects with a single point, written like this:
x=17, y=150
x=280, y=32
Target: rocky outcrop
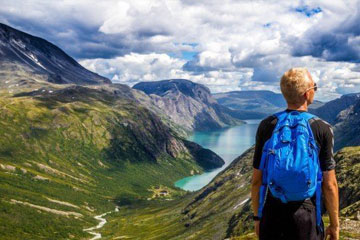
x=188, y=104
x=205, y=157
x=347, y=127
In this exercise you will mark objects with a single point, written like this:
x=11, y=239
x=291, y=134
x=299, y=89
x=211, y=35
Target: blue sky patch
x=306, y=10
x=188, y=55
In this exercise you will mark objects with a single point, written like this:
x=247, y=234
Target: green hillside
x=222, y=210
x=348, y=171
x=68, y=154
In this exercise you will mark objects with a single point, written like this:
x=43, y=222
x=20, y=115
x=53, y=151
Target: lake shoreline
x=220, y=141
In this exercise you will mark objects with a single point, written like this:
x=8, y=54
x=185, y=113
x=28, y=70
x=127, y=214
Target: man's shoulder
x=320, y=124
x=267, y=124
x=269, y=120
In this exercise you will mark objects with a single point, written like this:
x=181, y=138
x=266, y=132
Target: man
x=297, y=220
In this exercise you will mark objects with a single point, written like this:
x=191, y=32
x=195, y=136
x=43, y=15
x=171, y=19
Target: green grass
x=89, y=156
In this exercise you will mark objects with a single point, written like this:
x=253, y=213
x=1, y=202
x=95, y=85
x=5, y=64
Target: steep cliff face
x=347, y=127
x=20, y=52
x=188, y=104
x=205, y=157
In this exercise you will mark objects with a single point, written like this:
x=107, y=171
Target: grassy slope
x=85, y=154
x=348, y=171
x=220, y=210
x=204, y=214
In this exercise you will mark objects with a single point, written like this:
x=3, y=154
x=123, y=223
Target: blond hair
x=294, y=84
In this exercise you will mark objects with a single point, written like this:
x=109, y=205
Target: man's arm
x=331, y=199
x=255, y=189
x=257, y=174
x=329, y=185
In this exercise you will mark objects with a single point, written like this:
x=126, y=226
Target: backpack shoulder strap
x=307, y=116
x=280, y=117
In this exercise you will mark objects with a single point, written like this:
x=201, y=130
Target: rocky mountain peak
x=41, y=57
x=188, y=104
x=173, y=87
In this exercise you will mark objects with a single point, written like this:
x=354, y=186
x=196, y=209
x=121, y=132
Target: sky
x=226, y=45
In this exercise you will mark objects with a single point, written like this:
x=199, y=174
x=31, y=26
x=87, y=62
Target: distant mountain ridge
x=275, y=99
x=254, y=104
x=330, y=110
x=188, y=104
x=42, y=57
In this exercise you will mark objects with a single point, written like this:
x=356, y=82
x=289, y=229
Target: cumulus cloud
x=133, y=68
x=334, y=38
x=226, y=45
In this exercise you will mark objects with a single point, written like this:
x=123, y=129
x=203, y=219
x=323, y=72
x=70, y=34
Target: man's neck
x=302, y=107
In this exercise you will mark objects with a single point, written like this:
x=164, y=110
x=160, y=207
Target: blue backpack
x=290, y=162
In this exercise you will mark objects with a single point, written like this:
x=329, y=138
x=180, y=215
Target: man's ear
x=304, y=96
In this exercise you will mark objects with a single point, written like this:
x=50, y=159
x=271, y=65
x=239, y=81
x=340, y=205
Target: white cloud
x=240, y=44
x=136, y=67
x=133, y=68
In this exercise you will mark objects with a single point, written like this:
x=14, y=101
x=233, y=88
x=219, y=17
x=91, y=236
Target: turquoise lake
x=228, y=143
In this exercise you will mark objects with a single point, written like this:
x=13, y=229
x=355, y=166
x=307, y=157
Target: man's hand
x=333, y=232
x=331, y=194
x=257, y=227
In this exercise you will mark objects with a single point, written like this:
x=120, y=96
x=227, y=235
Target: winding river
x=228, y=143
x=101, y=223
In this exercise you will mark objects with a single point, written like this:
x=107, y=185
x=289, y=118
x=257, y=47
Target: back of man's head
x=294, y=83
